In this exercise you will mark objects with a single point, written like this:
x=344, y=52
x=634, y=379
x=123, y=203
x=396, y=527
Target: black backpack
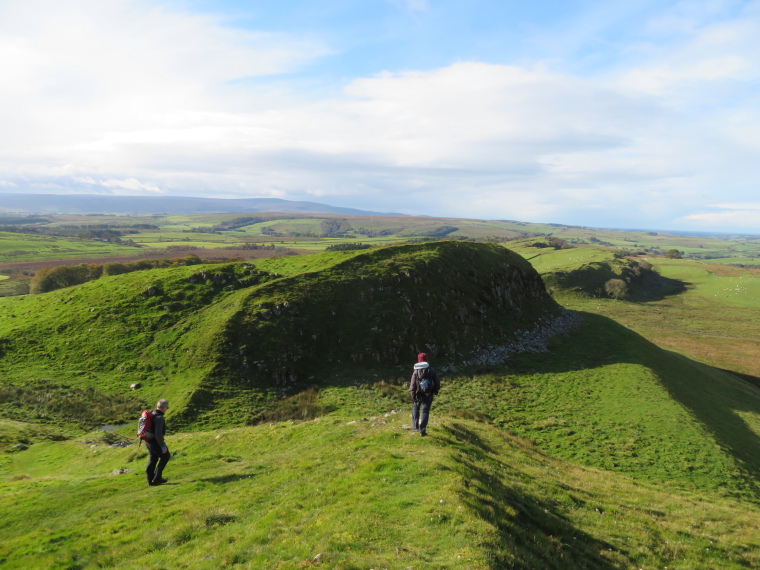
x=427, y=384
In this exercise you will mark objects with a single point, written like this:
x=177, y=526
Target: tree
x=673, y=254
x=616, y=288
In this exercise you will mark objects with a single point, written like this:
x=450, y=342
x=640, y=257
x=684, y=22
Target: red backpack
x=145, y=425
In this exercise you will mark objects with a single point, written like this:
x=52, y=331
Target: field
x=715, y=319
x=634, y=442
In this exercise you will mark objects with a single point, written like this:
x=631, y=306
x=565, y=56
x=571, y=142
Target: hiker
x=423, y=386
x=158, y=453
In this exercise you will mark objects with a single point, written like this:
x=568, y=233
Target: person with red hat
x=423, y=386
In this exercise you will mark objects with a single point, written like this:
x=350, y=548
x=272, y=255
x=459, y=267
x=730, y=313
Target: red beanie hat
x=422, y=357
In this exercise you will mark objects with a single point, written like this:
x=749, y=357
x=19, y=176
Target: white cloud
x=77, y=73
x=128, y=97
x=724, y=49
x=742, y=206
x=729, y=220
x=130, y=185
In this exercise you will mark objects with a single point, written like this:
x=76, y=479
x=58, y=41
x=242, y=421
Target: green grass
x=606, y=452
x=637, y=410
x=19, y=247
x=236, y=338
x=374, y=230
x=354, y=492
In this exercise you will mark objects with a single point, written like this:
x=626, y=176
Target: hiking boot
x=157, y=482
x=423, y=433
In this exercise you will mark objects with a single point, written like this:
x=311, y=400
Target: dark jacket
x=417, y=375
x=159, y=428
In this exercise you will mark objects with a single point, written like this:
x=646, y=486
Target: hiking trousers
x=156, y=461
x=420, y=411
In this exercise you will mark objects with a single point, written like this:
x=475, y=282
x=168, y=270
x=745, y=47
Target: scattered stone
x=121, y=471
x=150, y=292
x=533, y=340
x=20, y=447
x=134, y=386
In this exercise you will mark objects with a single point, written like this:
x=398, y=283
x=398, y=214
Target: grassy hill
x=598, y=450
x=244, y=334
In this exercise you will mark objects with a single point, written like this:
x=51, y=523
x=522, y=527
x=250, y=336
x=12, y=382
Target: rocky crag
x=456, y=301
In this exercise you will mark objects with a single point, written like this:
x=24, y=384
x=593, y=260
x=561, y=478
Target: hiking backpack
x=145, y=425
x=427, y=385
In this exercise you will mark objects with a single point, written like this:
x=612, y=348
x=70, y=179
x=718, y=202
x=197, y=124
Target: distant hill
x=173, y=205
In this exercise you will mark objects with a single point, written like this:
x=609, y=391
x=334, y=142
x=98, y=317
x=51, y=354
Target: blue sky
x=616, y=114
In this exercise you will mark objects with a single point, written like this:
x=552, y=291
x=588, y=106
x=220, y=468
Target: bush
x=616, y=288
x=673, y=254
x=347, y=246
x=114, y=268
x=53, y=278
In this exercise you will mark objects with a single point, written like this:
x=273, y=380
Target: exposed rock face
x=449, y=299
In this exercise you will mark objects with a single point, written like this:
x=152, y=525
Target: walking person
x=158, y=452
x=423, y=386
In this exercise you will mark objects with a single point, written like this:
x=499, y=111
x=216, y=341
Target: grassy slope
x=284, y=493
x=199, y=343
x=344, y=492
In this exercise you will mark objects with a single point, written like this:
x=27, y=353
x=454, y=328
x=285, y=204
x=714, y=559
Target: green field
x=16, y=247
x=314, y=232
x=633, y=442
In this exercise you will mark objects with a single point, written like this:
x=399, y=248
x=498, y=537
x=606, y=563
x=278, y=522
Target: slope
x=350, y=492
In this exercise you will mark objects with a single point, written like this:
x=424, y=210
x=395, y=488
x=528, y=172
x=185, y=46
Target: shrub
x=616, y=288
x=673, y=254
x=52, y=278
x=347, y=246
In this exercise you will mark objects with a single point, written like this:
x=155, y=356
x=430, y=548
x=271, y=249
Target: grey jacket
x=159, y=428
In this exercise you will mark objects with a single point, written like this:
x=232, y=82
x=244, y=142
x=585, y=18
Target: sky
x=618, y=114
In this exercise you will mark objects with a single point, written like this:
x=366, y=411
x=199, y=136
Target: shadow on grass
x=754, y=380
x=531, y=533
x=231, y=478
x=713, y=396
x=655, y=287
